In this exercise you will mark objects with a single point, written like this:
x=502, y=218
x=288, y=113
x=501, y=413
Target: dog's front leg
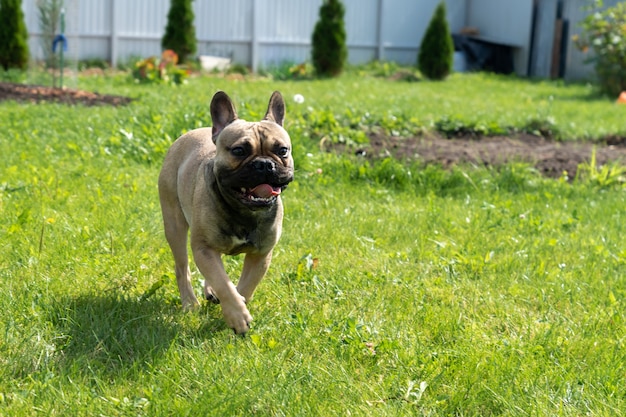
x=209, y=262
x=254, y=268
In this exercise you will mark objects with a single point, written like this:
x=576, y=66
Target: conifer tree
x=329, y=51
x=435, y=56
x=180, y=32
x=13, y=35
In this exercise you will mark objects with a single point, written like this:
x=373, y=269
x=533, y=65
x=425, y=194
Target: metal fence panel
x=262, y=33
x=251, y=32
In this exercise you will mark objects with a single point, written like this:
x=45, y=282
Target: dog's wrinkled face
x=253, y=163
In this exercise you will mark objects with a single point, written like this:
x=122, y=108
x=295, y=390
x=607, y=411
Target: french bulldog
x=221, y=187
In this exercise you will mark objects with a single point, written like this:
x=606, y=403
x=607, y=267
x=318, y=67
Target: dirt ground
x=549, y=157
x=38, y=93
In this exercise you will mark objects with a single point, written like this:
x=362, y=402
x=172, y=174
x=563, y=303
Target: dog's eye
x=283, y=152
x=238, y=151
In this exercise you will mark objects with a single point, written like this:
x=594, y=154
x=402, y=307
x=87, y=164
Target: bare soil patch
x=39, y=93
x=551, y=158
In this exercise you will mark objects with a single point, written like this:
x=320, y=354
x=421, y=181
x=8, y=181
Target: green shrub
x=434, y=59
x=605, y=33
x=329, y=51
x=13, y=35
x=180, y=32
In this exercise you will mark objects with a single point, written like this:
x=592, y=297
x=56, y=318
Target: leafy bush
x=13, y=35
x=434, y=59
x=605, y=33
x=329, y=51
x=152, y=70
x=180, y=32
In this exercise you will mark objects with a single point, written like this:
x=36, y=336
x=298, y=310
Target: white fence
x=263, y=33
x=253, y=32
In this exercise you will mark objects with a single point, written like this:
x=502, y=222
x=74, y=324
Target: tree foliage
x=329, y=50
x=434, y=59
x=180, y=32
x=13, y=35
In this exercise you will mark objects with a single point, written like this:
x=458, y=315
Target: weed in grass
x=454, y=126
x=603, y=176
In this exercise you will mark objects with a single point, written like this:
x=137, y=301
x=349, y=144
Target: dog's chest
x=239, y=244
x=240, y=241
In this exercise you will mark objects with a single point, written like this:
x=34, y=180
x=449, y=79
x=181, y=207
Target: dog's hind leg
x=176, y=230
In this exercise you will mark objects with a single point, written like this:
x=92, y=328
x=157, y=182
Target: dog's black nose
x=264, y=165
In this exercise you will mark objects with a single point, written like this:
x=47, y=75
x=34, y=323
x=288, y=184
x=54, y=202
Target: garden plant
x=604, y=33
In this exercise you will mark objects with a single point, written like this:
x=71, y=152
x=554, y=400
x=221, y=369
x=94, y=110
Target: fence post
x=113, y=33
x=254, y=42
x=380, y=53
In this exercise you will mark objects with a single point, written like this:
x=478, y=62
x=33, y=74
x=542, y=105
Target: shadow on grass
x=112, y=332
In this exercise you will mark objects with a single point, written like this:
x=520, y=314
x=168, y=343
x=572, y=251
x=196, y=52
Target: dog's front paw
x=237, y=317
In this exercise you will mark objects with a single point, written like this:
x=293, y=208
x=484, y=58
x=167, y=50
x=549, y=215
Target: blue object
x=57, y=39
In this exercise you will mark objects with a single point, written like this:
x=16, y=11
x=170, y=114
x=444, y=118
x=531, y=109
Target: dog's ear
x=276, y=109
x=222, y=112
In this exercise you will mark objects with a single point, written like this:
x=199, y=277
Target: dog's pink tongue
x=265, y=191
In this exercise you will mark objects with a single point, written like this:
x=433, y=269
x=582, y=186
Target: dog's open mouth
x=262, y=194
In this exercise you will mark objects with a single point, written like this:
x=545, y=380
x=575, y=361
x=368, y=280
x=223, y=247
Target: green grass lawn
x=397, y=289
